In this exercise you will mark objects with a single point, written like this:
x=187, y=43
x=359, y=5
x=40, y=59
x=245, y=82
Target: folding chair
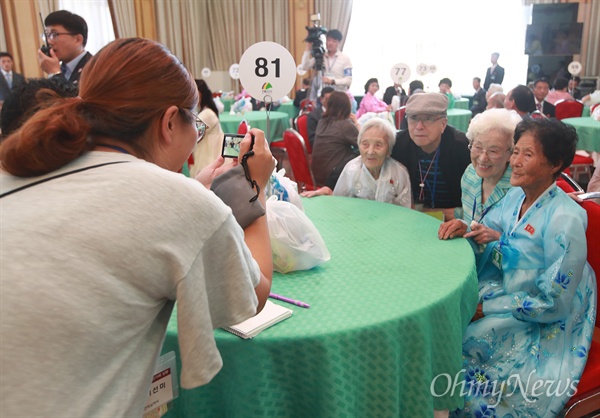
x=568, y=109
x=301, y=125
x=296, y=150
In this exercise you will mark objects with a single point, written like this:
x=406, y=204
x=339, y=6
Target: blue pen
x=288, y=300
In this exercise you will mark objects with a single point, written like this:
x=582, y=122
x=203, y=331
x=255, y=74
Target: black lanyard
x=58, y=176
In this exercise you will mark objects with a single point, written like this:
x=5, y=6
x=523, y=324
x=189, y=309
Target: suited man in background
x=67, y=35
x=9, y=78
x=494, y=74
x=541, y=87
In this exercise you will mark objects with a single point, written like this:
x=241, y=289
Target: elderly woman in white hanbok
x=373, y=175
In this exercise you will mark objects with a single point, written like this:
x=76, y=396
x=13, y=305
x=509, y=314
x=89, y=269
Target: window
x=97, y=16
x=457, y=37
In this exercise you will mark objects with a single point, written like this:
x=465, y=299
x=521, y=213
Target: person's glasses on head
x=51, y=36
x=492, y=153
x=426, y=120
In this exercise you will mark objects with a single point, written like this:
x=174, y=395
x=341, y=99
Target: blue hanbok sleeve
x=564, y=254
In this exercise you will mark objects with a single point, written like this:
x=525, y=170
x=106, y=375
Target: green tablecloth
x=459, y=118
x=290, y=109
x=279, y=121
x=462, y=103
x=588, y=131
x=387, y=315
x=586, y=111
x=227, y=103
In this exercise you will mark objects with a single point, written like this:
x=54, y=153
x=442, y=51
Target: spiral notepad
x=271, y=314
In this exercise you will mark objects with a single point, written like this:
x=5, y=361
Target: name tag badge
x=497, y=258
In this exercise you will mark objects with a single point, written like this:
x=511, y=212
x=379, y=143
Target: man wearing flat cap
x=435, y=154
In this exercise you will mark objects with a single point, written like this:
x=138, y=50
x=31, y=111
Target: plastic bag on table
x=284, y=188
x=295, y=241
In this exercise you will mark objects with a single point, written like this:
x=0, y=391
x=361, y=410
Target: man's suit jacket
x=74, y=79
x=495, y=77
x=548, y=109
x=4, y=90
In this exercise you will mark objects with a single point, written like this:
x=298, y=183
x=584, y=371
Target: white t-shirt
x=90, y=267
x=392, y=186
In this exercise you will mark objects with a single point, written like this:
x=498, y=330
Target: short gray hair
x=389, y=132
x=500, y=120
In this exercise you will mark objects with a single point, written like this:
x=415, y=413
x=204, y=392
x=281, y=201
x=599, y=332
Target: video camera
x=314, y=37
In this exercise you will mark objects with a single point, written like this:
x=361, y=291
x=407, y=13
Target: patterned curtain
x=123, y=17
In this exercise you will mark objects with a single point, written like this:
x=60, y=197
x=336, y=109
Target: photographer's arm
x=308, y=61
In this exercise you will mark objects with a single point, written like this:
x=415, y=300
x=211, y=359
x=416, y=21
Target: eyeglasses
x=425, y=120
x=53, y=35
x=492, y=154
x=201, y=127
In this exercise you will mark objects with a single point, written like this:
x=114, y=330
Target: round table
x=459, y=118
x=462, y=103
x=290, y=109
x=279, y=121
x=588, y=131
x=387, y=314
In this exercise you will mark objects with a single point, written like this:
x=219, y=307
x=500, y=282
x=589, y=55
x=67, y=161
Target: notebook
x=269, y=316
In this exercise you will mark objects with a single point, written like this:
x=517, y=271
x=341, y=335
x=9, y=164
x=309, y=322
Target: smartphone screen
x=231, y=145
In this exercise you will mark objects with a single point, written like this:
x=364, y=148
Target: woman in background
x=335, y=138
x=369, y=102
x=209, y=149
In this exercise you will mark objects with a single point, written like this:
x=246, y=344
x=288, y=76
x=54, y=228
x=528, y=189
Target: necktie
x=539, y=106
x=64, y=69
x=9, y=80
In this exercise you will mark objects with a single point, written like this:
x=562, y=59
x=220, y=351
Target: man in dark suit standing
x=541, y=87
x=479, y=102
x=8, y=78
x=494, y=74
x=67, y=36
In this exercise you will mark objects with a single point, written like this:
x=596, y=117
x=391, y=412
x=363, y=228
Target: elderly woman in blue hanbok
x=373, y=175
x=525, y=356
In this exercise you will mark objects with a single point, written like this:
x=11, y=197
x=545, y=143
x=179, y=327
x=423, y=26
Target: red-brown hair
x=338, y=106
x=123, y=91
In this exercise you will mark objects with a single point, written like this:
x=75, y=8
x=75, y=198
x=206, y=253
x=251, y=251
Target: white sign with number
x=400, y=73
x=205, y=72
x=234, y=71
x=432, y=68
x=422, y=69
x=267, y=70
x=574, y=68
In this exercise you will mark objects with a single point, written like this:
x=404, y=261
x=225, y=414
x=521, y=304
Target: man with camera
x=336, y=68
x=66, y=34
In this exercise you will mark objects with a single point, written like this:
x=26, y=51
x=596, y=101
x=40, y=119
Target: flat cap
x=427, y=103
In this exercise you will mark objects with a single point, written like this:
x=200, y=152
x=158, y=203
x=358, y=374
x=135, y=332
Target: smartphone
x=231, y=145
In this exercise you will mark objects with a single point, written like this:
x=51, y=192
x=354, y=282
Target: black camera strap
x=35, y=183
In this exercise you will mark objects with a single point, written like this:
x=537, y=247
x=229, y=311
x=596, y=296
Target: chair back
x=243, y=127
x=399, y=116
x=298, y=156
x=593, y=107
x=306, y=106
x=301, y=125
x=568, y=108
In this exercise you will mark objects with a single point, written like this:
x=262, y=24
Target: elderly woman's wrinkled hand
x=481, y=234
x=323, y=191
x=452, y=229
